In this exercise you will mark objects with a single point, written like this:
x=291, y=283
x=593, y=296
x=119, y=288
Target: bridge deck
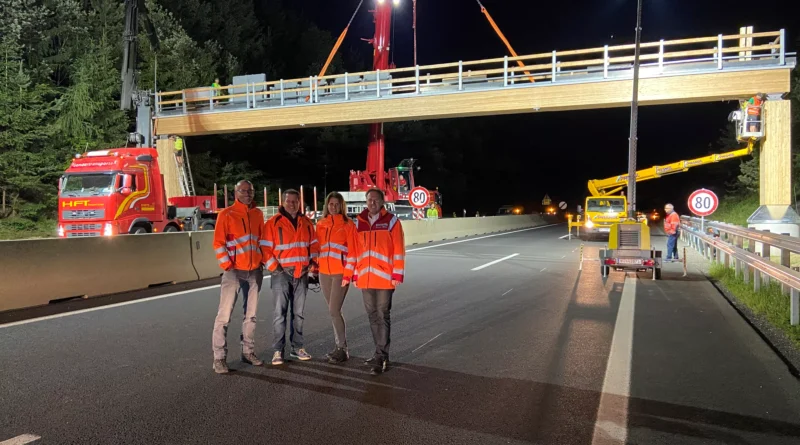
x=455, y=90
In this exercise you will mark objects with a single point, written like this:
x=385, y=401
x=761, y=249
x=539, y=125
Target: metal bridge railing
x=683, y=56
x=749, y=252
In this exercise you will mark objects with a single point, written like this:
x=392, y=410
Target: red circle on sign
x=419, y=197
x=703, y=202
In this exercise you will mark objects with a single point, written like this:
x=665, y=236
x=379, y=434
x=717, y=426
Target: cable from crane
x=503, y=38
x=414, y=25
x=340, y=40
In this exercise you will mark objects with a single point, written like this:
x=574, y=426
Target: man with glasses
x=236, y=244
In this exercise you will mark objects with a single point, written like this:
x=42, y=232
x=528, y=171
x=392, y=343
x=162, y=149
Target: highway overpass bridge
x=703, y=69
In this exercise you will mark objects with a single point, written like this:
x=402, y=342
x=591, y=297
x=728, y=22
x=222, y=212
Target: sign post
x=703, y=203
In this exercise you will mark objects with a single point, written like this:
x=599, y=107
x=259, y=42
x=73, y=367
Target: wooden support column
x=775, y=159
x=169, y=167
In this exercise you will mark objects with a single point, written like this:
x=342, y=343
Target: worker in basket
x=753, y=112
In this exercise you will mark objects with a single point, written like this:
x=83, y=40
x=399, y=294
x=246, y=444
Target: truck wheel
x=658, y=273
x=170, y=229
x=208, y=225
x=138, y=230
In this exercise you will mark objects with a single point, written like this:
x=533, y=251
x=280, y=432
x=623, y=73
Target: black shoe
x=371, y=361
x=379, y=366
x=338, y=356
x=329, y=354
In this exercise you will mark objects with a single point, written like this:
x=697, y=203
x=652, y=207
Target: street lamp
x=396, y=2
x=634, y=119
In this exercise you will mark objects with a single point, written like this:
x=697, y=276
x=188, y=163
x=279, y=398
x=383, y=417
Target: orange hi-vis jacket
x=671, y=223
x=237, y=235
x=379, y=251
x=336, y=235
x=289, y=246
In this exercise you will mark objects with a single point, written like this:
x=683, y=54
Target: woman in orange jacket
x=335, y=233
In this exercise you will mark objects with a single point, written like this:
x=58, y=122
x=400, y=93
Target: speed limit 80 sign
x=703, y=202
x=419, y=197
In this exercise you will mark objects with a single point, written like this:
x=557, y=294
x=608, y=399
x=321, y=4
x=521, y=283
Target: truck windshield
x=605, y=205
x=94, y=184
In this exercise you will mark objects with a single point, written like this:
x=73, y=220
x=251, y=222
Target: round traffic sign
x=419, y=197
x=703, y=202
x=562, y=205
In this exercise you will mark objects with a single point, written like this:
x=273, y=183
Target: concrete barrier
x=35, y=272
x=203, y=257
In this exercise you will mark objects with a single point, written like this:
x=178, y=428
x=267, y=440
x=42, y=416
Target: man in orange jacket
x=236, y=244
x=290, y=249
x=672, y=224
x=380, y=256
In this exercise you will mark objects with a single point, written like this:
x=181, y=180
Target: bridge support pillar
x=776, y=212
x=168, y=166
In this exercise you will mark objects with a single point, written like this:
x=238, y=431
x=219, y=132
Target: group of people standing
x=368, y=252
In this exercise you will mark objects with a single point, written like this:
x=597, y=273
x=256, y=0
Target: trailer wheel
x=658, y=273
x=208, y=225
x=170, y=229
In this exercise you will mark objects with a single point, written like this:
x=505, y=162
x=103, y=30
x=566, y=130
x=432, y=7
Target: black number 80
x=418, y=197
x=702, y=202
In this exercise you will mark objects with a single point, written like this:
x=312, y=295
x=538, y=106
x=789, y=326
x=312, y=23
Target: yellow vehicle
x=607, y=204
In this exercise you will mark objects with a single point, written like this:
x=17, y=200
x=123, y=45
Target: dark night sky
x=558, y=152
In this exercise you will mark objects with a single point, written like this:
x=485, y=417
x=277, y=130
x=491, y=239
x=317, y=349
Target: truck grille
x=81, y=234
x=628, y=239
x=88, y=226
x=83, y=214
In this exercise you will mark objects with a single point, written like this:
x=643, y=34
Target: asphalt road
x=526, y=350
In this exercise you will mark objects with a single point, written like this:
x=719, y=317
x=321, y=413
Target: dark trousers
x=289, y=293
x=378, y=304
x=672, y=246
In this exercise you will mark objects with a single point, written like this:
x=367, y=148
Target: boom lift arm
x=614, y=184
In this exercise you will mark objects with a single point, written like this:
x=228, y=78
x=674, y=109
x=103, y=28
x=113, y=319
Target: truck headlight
x=589, y=223
x=108, y=230
x=61, y=232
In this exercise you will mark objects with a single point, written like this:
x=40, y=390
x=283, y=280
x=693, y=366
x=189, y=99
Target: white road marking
x=20, y=440
x=612, y=414
x=158, y=297
x=543, y=269
x=506, y=292
x=476, y=239
x=562, y=237
x=495, y=261
x=434, y=338
x=563, y=256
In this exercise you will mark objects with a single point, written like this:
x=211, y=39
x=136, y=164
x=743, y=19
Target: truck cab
x=121, y=191
x=600, y=213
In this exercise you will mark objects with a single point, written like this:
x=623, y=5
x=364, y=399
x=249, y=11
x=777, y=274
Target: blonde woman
x=336, y=235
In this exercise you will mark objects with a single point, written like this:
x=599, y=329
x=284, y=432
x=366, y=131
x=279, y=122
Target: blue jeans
x=672, y=246
x=290, y=293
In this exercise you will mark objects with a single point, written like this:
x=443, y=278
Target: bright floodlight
x=396, y=2
x=380, y=2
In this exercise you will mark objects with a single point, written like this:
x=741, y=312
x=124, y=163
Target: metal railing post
x=211, y=100
x=661, y=57
x=782, y=57
x=794, y=308
x=460, y=75
x=505, y=71
x=378, y=83
x=553, y=77
x=756, y=280
x=316, y=89
x=282, y=92
x=311, y=88
x=605, y=62
x=786, y=261
x=719, y=52
x=183, y=100
x=346, y=88
x=416, y=79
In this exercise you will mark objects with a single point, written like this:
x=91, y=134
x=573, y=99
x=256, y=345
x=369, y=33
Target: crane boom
x=614, y=184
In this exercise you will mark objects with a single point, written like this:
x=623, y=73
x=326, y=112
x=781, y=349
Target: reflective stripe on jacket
x=671, y=223
x=336, y=235
x=237, y=235
x=291, y=248
x=379, y=251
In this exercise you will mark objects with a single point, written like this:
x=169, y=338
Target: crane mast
x=380, y=44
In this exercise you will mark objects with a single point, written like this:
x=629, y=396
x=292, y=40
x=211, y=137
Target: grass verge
x=770, y=302
x=19, y=228
x=736, y=209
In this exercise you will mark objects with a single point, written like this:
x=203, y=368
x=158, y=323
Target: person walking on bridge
x=336, y=234
x=380, y=255
x=290, y=249
x=672, y=224
x=236, y=245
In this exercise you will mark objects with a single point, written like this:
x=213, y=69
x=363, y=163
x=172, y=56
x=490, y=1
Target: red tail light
x=649, y=262
x=609, y=261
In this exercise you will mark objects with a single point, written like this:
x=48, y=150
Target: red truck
x=121, y=191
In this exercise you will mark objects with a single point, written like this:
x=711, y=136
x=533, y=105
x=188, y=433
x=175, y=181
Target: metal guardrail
x=726, y=245
x=673, y=57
